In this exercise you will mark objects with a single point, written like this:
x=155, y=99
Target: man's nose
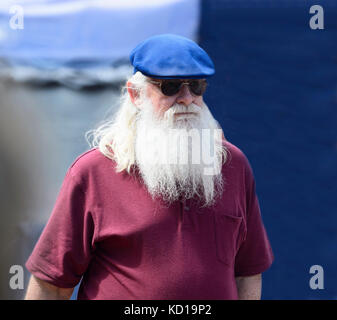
x=184, y=96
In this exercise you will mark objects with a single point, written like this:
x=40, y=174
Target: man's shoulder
x=89, y=162
x=234, y=154
x=237, y=161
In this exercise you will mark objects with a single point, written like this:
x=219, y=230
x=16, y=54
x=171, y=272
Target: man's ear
x=133, y=93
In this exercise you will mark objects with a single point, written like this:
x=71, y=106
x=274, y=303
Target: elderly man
x=162, y=207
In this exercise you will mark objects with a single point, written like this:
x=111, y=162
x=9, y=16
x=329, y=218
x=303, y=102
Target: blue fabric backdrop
x=275, y=94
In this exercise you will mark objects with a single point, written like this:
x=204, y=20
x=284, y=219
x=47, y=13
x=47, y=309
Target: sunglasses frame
x=159, y=83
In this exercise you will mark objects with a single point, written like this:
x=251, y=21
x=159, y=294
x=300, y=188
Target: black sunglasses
x=170, y=87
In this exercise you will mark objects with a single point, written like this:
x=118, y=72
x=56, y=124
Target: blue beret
x=169, y=56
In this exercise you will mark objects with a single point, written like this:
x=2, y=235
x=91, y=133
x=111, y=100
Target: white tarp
x=83, y=41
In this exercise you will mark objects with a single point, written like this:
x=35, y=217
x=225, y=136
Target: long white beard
x=180, y=157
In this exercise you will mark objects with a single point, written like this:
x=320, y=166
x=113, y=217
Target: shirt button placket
x=189, y=221
x=187, y=205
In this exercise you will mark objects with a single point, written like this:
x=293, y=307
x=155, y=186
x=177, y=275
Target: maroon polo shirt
x=106, y=227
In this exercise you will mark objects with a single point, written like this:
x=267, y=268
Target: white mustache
x=180, y=108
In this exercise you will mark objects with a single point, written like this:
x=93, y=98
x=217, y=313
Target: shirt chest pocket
x=229, y=232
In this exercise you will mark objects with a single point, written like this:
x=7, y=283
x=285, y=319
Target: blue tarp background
x=275, y=94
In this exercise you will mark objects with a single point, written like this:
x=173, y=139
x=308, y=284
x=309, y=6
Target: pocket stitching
x=220, y=252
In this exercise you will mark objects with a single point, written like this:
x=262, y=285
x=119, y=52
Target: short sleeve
x=64, y=249
x=255, y=253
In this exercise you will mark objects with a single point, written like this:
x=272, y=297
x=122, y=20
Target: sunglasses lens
x=170, y=88
x=197, y=87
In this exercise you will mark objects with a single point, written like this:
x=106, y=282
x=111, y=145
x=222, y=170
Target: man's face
x=168, y=147
x=161, y=103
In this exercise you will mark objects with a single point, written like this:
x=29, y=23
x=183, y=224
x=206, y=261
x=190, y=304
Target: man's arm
x=249, y=288
x=42, y=290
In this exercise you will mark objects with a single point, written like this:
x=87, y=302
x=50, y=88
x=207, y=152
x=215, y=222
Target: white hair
x=115, y=136
x=135, y=134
